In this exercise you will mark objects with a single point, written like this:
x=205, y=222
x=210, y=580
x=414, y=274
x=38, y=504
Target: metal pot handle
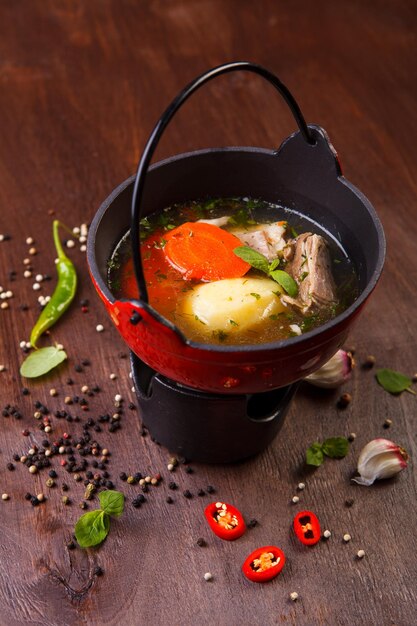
x=163, y=123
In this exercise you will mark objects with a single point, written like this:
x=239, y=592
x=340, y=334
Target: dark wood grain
x=81, y=85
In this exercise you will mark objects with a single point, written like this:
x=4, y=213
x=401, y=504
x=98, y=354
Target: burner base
x=204, y=427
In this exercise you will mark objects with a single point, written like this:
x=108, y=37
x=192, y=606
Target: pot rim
x=282, y=343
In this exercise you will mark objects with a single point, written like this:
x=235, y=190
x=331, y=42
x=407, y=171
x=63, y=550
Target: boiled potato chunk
x=233, y=305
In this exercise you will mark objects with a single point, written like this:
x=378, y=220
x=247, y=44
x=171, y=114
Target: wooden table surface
x=82, y=84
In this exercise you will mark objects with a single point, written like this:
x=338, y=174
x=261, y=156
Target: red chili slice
x=264, y=564
x=307, y=528
x=225, y=520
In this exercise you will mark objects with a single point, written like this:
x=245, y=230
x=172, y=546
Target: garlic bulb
x=380, y=458
x=333, y=373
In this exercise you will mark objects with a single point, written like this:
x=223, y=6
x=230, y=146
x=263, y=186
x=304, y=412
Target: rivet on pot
x=135, y=318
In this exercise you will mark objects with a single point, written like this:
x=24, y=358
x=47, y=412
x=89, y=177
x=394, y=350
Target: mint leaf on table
x=314, y=454
x=112, y=502
x=335, y=447
x=254, y=258
x=92, y=528
x=393, y=382
x=41, y=361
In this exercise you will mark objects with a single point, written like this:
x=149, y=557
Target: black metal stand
x=210, y=428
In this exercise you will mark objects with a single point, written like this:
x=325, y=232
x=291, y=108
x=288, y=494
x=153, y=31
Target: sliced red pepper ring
x=264, y=564
x=225, y=520
x=307, y=528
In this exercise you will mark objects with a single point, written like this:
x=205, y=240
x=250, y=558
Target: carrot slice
x=204, y=252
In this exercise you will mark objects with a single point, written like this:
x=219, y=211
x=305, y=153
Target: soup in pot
x=237, y=271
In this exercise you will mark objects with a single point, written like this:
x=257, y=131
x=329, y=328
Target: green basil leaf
x=42, y=361
x=336, y=447
x=112, y=502
x=92, y=528
x=254, y=258
x=286, y=281
x=274, y=265
x=392, y=381
x=314, y=455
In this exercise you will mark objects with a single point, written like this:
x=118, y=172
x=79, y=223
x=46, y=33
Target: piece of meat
x=217, y=221
x=268, y=239
x=310, y=268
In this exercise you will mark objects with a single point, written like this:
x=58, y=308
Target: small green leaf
x=274, y=265
x=336, y=447
x=92, y=528
x=286, y=281
x=254, y=258
x=314, y=455
x=42, y=361
x=392, y=381
x=255, y=295
x=112, y=502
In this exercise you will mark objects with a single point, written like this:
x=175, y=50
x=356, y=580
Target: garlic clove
x=380, y=458
x=333, y=373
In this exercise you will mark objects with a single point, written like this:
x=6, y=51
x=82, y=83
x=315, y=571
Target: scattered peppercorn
x=187, y=494
x=252, y=523
x=10, y=467
x=201, y=542
x=349, y=502
x=169, y=500
x=369, y=362
x=344, y=400
x=210, y=489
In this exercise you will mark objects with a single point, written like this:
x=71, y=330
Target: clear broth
x=167, y=288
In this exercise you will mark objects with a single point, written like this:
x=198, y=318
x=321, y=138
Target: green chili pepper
x=63, y=294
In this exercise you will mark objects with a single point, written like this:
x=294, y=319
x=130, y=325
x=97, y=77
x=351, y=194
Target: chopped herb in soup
x=237, y=271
